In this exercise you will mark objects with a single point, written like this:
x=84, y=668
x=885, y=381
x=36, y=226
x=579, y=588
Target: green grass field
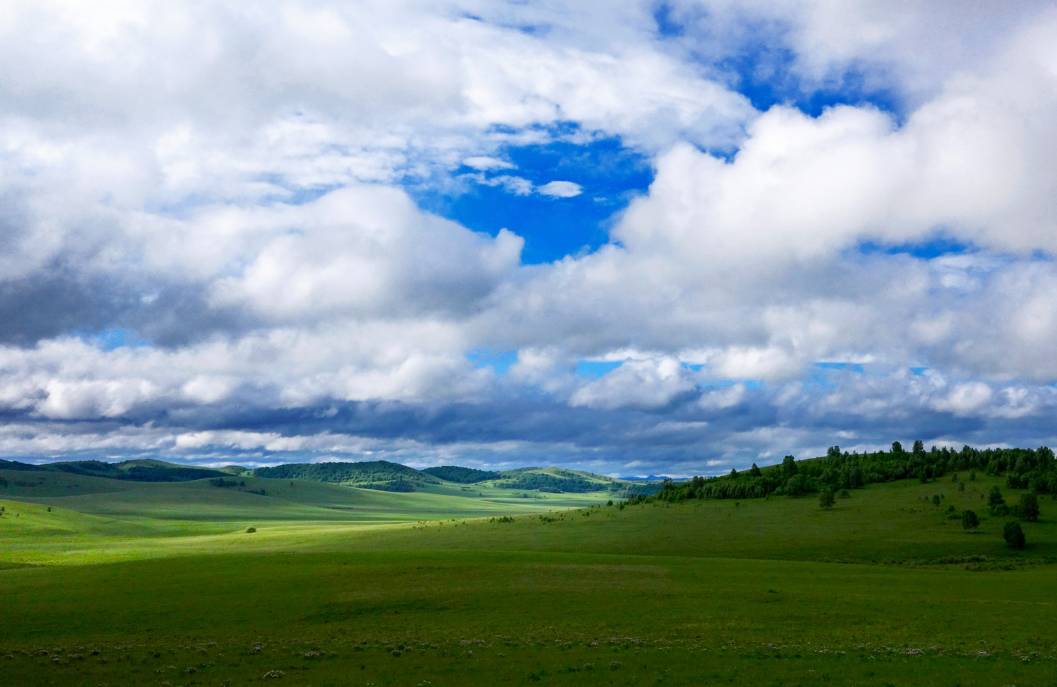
x=145, y=583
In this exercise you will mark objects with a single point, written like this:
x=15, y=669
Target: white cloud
x=237, y=175
x=560, y=189
x=636, y=383
x=366, y=250
x=485, y=163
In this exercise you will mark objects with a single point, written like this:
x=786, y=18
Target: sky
x=635, y=237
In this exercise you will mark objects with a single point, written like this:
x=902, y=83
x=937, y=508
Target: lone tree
x=1013, y=535
x=969, y=520
x=826, y=498
x=1029, y=507
x=996, y=503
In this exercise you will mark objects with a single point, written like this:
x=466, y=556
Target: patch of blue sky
x=113, y=338
x=499, y=361
x=593, y=369
x=764, y=72
x=824, y=374
x=609, y=175
x=858, y=368
x=748, y=383
x=668, y=26
x=782, y=87
x=934, y=247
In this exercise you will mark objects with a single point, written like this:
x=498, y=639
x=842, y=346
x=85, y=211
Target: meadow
x=147, y=583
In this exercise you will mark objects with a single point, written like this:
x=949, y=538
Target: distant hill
x=461, y=475
x=15, y=465
x=389, y=476
x=133, y=470
x=555, y=480
x=377, y=474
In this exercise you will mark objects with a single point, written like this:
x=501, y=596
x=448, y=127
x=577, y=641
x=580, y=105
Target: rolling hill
x=378, y=474
x=460, y=475
x=883, y=588
x=381, y=475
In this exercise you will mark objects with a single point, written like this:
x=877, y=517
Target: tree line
x=1032, y=469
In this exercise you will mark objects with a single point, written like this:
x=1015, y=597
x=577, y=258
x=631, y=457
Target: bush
x=1029, y=507
x=970, y=521
x=996, y=503
x=1014, y=535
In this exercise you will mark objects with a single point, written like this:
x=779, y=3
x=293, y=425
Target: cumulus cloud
x=241, y=191
x=364, y=251
x=636, y=383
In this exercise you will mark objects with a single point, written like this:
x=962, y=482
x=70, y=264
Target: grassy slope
x=115, y=519
x=657, y=594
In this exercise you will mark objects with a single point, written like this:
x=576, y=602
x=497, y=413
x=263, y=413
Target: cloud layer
x=211, y=247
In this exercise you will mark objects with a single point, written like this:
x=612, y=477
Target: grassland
x=161, y=584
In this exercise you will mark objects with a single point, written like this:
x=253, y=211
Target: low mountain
x=15, y=465
x=556, y=480
x=377, y=474
x=132, y=470
x=461, y=475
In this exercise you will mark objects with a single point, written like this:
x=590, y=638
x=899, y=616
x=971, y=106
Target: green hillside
x=461, y=475
x=377, y=473
x=395, y=477
x=442, y=588
x=556, y=480
x=134, y=470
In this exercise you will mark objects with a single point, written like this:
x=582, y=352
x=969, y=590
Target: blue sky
x=609, y=174
x=636, y=237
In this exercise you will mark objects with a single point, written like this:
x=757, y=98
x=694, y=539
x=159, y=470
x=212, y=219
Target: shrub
x=1029, y=507
x=996, y=503
x=970, y=521
x=1014, y=535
